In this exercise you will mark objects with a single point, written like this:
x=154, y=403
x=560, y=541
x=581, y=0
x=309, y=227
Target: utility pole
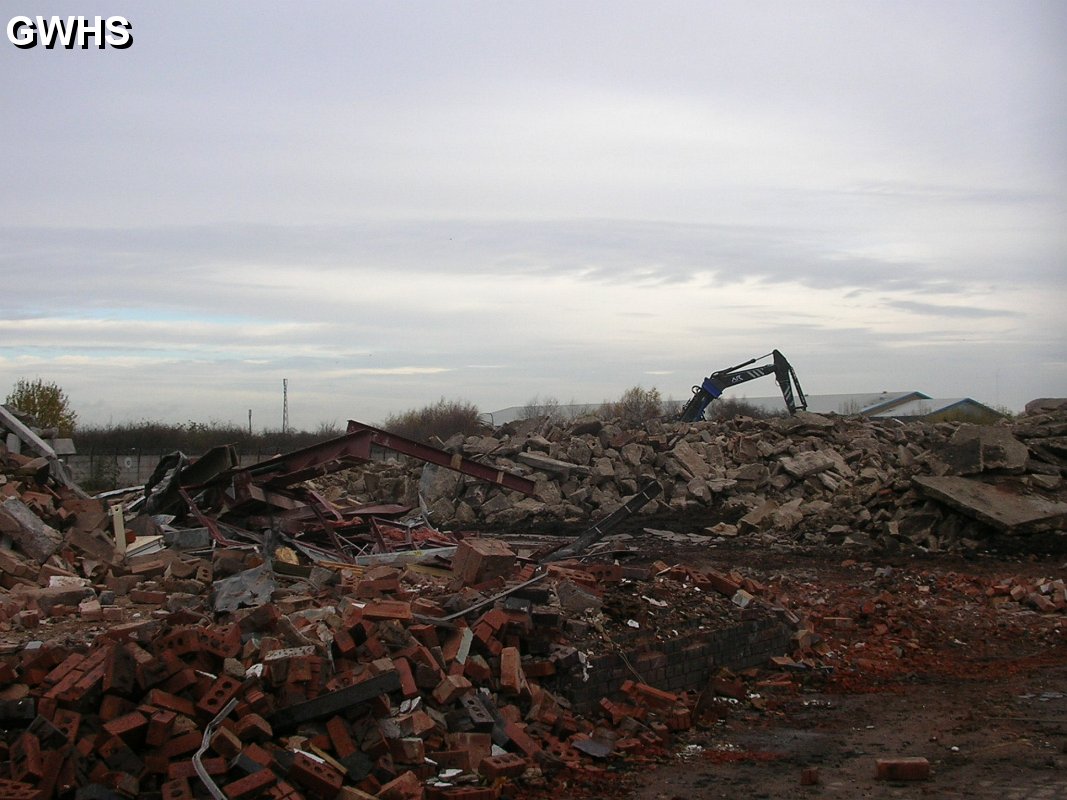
x=285, y=405
x=249, y=422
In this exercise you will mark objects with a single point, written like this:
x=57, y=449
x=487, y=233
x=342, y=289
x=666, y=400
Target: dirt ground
x=931, y=665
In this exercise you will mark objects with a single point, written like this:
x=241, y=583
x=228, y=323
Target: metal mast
x=285, y=405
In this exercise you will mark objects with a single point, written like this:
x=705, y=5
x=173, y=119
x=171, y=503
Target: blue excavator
x=714, y=385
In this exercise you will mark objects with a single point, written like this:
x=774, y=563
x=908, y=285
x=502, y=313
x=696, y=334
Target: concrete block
x=32, y=536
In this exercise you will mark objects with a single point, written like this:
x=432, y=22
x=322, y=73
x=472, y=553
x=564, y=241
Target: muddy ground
x=975, y=685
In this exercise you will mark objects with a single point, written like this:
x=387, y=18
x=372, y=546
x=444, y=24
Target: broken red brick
x=388, y=609
x=450, y=688
x=129, y=727
x=317, y=777
x=177, y=789
x=507, y=765
x=218, y=695
x=407, y=750
x=250, y=786
x=405, y=786
x=512, y=679
x=902, y=769
x=478, y=560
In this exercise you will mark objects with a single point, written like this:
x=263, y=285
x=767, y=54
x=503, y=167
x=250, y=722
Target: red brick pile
x=372, y=687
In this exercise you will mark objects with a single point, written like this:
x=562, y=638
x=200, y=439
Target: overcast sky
x=387, y=203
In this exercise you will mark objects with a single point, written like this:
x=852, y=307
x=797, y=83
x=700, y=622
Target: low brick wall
x=685, y=662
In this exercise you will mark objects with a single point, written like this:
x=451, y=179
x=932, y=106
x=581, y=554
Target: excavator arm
x=714, y=385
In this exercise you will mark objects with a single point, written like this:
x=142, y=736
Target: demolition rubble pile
x=807, y=479
x=227, y=665
x=219, y=670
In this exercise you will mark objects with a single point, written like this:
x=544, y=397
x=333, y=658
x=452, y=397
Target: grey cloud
x=944, y=310
x=911, y=190
x=149, y=265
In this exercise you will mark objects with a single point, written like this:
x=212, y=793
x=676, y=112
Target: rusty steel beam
x=315, y=461
x=433, y=455
x=267, y=481
x=354, y=447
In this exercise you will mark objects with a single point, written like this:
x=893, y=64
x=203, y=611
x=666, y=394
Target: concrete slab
x=998, y=507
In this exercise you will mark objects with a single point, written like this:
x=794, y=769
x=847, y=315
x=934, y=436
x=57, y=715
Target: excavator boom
x=714, y=385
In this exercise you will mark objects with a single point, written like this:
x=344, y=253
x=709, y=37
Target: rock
x=538, y=443
x=1047, y=481
x=755, y=473
x=789, y=515
x=574, y=599
x=587, y=425
x=718, y=485
x=480, y=445
x=758, y=518
x=632, y=454
x=441, y=510
x=805, y=420
x=981, y=448
x=552, y=466
x=480, y=559
x=698, y=490
x=995, y=506
x=694, y=462
x=603, y=469
x=1045, y=405
x=809, y=463
x=33, y=536
x=579, y=453
x=48, y=597
x=723, y=529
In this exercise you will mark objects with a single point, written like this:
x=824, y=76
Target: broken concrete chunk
x=981, y=448
x=574, y=599
x=688, y=457
x=805, y=419
x=253, y=587
x=758, y=518
x=809, y=463
x=553, y=466
x=33, y=537
x=47, y=598
x=1004, y=510
x=436, y=483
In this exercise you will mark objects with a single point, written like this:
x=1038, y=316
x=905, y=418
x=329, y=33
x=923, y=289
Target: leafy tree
x=47, y=403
